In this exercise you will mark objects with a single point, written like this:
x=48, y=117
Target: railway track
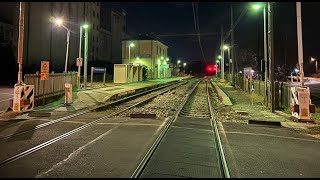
x=110, y=107
x=110, y=110
x=189, y=145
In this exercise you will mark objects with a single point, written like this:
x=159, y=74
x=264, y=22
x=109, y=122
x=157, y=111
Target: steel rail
x=49, y=142
x=217, y=137
x=83, y=112
x=137, y=172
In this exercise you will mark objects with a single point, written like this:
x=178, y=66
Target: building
x=43, y=40
x=150, y=52
x=112, y=31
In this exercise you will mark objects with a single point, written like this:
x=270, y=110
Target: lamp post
x=313, y=59
x=184, y=67
x=130, y=45
x=256, y=7
x=86, y=39
x=217, y=66
x=225, y=47
x=59, y=22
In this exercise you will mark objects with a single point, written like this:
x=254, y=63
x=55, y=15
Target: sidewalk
x=242, y=110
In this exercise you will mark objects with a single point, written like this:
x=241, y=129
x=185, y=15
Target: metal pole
x=67, y=52
x=104, y=76
x=79, y=67
x=232, y=46
x=229, y=60
x=86, y=37
x=20, y=41
x=129, y=53
x=271, y=57
x=316, y=66
x=91, y=76
x=265, y=55
x=222, y=55
x=300, y=47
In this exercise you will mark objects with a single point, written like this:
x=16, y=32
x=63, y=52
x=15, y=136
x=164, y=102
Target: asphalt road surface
x=6, y=93
x=256, y=151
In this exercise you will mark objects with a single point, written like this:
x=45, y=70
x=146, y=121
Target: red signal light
x=210, y=68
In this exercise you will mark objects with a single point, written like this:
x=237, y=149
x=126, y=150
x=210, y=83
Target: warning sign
x=44, y=70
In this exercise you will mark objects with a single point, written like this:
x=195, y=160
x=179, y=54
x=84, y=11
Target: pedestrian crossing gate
x=300, y=104
x=23, y=98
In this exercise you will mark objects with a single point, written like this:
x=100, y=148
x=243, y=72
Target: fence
x=282, y=89
x=53, y=86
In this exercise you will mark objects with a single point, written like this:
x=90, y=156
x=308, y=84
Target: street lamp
x=130, y=45
x=80, y=42
x=217, y=66
x=59, y=22
x=257, y=7
x=184, y=67
x=313, y=59
x=225, y=47
x=167, y=59
x=86, y=41
x=219, y=57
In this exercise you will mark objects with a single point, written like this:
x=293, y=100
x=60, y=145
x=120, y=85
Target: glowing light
x=58, y=22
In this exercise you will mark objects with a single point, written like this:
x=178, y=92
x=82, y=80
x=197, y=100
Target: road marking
x=5, y=100
x=75, y=153
x=270, y=135
x=6, y=93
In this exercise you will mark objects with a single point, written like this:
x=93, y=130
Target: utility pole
x=222, y=54
x=20, y=41
x=232, y=48
x=300, y=47
x=265, y=55
x=271, y=55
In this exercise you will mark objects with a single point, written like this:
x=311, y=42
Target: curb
x=225, y=99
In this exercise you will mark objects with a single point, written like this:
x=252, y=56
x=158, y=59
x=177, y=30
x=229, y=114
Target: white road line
x=6, y=93
x=5, y=100
x=270, y=135
x=75, y=153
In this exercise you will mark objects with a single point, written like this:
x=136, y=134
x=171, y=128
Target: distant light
x=131, y=45
x=167, y=59
x=137, y=58
x=256, y=6
x=219, y=57
x=217, y=61
x=179, y=61
x=225, y=47
x=58, y=22
x=85, y=26
x=240, y=72
x=312, y=59
x=296, y=70
x=184, y=64
x=162, y=57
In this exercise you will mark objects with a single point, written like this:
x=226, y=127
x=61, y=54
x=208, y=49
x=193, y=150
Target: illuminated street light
x=219, y=57
x=130, y=45
x=137, y=58
x=178, y=61
x=167, y=59
x=184, y=64
x=256, y=6
x=162, y=57
x=225, y=47
x=58, y=22
x=313, y=59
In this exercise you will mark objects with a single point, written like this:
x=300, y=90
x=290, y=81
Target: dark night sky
x=177, y=17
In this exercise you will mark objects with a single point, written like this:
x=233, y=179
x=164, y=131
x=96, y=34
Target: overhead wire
x=197, y=28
